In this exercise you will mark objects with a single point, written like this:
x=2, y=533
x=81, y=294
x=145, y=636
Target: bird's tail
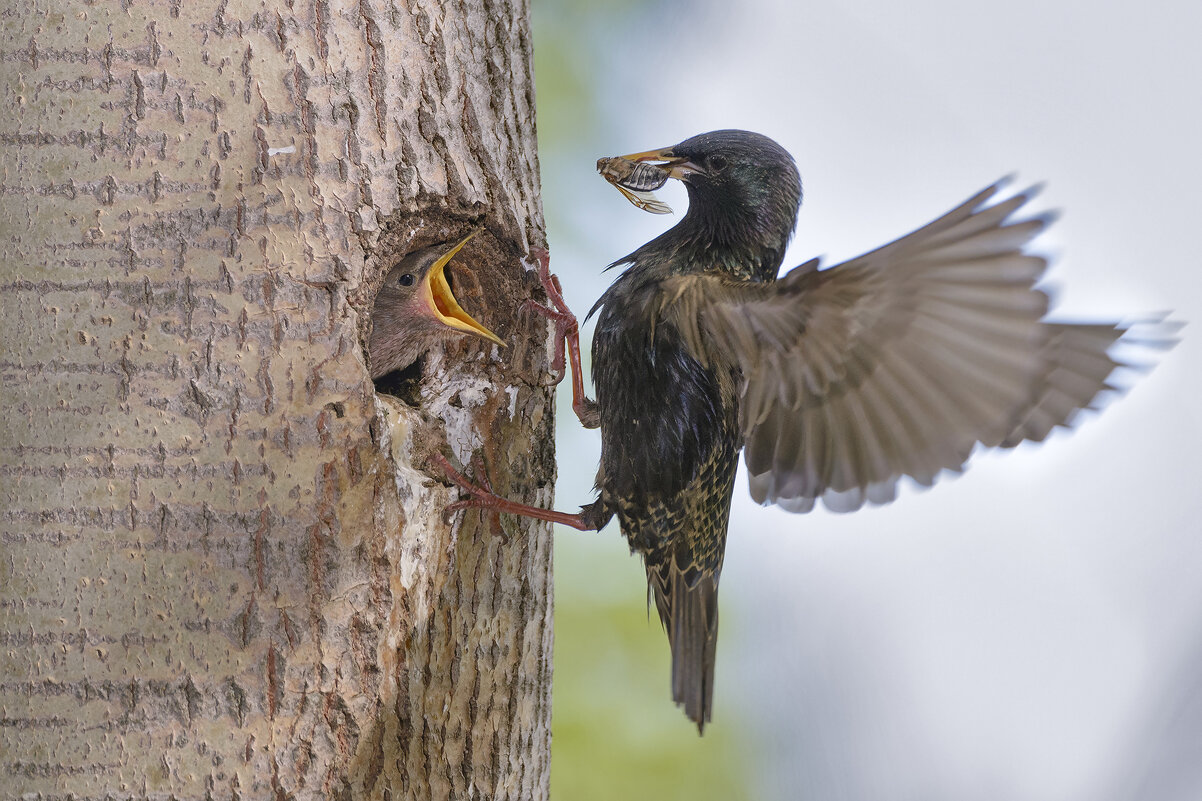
x=688, y=608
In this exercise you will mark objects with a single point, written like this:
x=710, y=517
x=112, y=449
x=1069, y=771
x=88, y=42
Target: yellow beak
x=442, y=301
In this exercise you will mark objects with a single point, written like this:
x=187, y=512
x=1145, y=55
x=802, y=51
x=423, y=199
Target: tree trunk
x=225, y=572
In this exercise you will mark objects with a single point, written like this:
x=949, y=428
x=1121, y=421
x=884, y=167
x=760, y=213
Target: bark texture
x=224, y=572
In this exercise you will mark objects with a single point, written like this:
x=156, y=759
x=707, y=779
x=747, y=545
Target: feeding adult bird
x=415, y=309
x=835, y=383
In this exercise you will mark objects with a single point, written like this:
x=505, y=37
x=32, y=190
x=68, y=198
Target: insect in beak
x=635, y=176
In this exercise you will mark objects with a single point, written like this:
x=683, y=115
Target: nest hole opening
x=403, y=384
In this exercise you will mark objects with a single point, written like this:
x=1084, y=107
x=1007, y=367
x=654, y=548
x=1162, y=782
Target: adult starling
x=835, y=383
x=415, y=309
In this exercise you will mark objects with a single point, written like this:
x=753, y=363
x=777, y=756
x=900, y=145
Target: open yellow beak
x=442, y=301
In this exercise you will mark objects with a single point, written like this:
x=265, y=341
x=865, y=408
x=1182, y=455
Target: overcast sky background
x=1033, y=628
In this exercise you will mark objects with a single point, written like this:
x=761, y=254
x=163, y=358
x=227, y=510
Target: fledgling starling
x=415, y=309
x=835, y=383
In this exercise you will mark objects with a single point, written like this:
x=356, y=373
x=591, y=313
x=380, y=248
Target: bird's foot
x=485, y=485
x=482, y=497
x=567, y=340
x=566, y=326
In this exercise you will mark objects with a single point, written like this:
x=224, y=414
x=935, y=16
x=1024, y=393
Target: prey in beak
x=416, y=309
x=637, y=174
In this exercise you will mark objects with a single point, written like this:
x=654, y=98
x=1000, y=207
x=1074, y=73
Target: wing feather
x=897, y=363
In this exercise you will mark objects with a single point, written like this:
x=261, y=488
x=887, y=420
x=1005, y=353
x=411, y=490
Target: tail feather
x=689, y=612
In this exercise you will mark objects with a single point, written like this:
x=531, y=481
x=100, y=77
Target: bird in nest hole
x=834, y=383
x=415, y=309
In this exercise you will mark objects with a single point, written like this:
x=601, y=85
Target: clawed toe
x=481, y=495
x=567, y=340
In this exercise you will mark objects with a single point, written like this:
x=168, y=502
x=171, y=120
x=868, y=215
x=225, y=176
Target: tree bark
x=224, y=569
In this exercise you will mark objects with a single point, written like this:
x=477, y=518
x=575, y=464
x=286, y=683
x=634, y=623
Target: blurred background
x=1031, y=629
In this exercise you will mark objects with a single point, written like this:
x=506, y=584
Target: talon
x=565, y=326
x=478, y=469
x=482, y=496
x=494, y=517
x=494, y=504
x=454, y=475
x=567, y=339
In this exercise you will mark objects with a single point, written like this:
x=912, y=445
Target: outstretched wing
x=896, y=363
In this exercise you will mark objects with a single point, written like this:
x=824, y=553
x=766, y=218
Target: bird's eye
x=406, y=279
x=717, y=162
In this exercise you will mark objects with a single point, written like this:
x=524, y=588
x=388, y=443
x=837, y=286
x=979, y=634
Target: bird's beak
x=677, y=167
x=441, y=301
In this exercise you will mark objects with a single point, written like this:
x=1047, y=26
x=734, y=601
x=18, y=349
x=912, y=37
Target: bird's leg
x=567, y=336
x=494, y=517
x=484, y=498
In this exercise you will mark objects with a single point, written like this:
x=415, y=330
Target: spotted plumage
x=835, y=383
x=670, y=427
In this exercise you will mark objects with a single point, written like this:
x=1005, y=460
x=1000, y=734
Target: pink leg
x=567, y=333
x=494, y=516
x=482, y=498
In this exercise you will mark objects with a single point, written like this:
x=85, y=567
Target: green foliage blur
x=615, y=732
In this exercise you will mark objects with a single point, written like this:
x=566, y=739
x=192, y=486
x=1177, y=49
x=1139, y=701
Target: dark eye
x=406, y=279
x=717, y=162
